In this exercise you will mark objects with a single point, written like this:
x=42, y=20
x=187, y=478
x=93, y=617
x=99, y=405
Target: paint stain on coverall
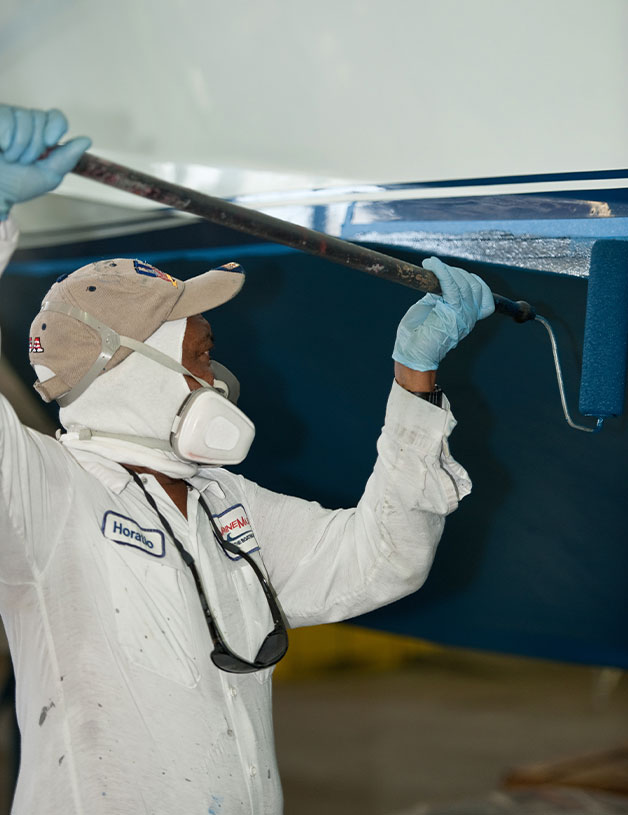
x=216, y=805
x=44, y=712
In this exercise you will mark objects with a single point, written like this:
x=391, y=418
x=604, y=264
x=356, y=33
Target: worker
x=145, y=589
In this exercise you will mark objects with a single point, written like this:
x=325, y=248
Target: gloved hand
x=436, y=324
x=24, y=136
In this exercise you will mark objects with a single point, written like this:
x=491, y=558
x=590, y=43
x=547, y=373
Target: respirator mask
x=208, y=427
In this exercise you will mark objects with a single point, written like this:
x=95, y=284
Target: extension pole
x=268, y=228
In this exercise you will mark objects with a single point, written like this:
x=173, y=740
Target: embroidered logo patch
x=235, y=527
x=127, y=532
x=34, y=345
x=151, y=271
x=231, y=267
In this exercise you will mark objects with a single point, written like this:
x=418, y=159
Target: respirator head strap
x=209, y=433
x=111, y=341
x=81, y=433
x=158, y=356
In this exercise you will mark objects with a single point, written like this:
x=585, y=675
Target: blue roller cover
x=603, y=382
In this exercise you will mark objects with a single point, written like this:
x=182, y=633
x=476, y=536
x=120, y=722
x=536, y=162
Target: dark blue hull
x=535, y=561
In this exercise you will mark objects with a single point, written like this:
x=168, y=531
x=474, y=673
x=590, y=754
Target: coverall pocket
x=153, y=620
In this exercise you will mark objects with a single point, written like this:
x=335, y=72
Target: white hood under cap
x=138, y=397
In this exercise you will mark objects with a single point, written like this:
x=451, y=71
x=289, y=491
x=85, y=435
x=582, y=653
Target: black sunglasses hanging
x=275, y=644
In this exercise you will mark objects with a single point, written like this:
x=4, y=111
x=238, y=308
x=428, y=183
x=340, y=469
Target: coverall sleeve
x=329, y=565
x=8, y=241
x=33, y=478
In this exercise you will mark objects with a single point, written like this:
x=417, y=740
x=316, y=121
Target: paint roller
x=605, y=347
x=606, y=327
x=605, y=352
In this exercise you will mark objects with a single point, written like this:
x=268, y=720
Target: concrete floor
x=445, y=728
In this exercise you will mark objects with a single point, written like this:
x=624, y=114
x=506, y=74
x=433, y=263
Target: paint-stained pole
x=272, y=229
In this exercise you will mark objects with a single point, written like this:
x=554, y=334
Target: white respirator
x=208, y=427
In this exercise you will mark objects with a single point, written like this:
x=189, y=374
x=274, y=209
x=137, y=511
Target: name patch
x=127, y=532
x=235, y=527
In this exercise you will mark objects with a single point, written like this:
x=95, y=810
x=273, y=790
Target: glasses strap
x=276, y=612
x=187, y=557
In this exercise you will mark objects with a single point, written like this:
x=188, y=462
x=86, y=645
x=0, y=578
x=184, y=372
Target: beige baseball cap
x=129, y=296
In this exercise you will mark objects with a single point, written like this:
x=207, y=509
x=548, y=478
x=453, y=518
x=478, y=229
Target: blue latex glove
x=24, y=136
x=436, y=324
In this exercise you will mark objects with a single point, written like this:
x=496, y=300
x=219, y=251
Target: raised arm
x=331, y=565
x=26, y=491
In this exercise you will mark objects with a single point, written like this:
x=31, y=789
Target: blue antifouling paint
x=603, y=382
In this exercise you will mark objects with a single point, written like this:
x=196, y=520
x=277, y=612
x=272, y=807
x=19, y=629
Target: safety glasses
x=275, y=644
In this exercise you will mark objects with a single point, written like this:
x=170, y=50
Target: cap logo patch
x=34, y=345
x=151, y=271
x=231, y=267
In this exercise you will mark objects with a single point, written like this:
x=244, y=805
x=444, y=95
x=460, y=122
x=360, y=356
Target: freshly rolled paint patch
x=127, y=532
x=235, y=527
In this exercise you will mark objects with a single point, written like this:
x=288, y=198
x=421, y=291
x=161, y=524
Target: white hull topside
x=247, y=98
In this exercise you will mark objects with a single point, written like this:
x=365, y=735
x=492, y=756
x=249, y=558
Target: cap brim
x=207, y=291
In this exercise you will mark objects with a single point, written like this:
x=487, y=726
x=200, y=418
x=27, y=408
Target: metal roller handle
x=268, y=228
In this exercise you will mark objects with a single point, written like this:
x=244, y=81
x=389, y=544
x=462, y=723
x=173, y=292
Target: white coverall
x=120, y=709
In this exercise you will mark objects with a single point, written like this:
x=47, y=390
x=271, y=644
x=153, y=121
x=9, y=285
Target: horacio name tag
x=235, y=527
x=127, y=532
